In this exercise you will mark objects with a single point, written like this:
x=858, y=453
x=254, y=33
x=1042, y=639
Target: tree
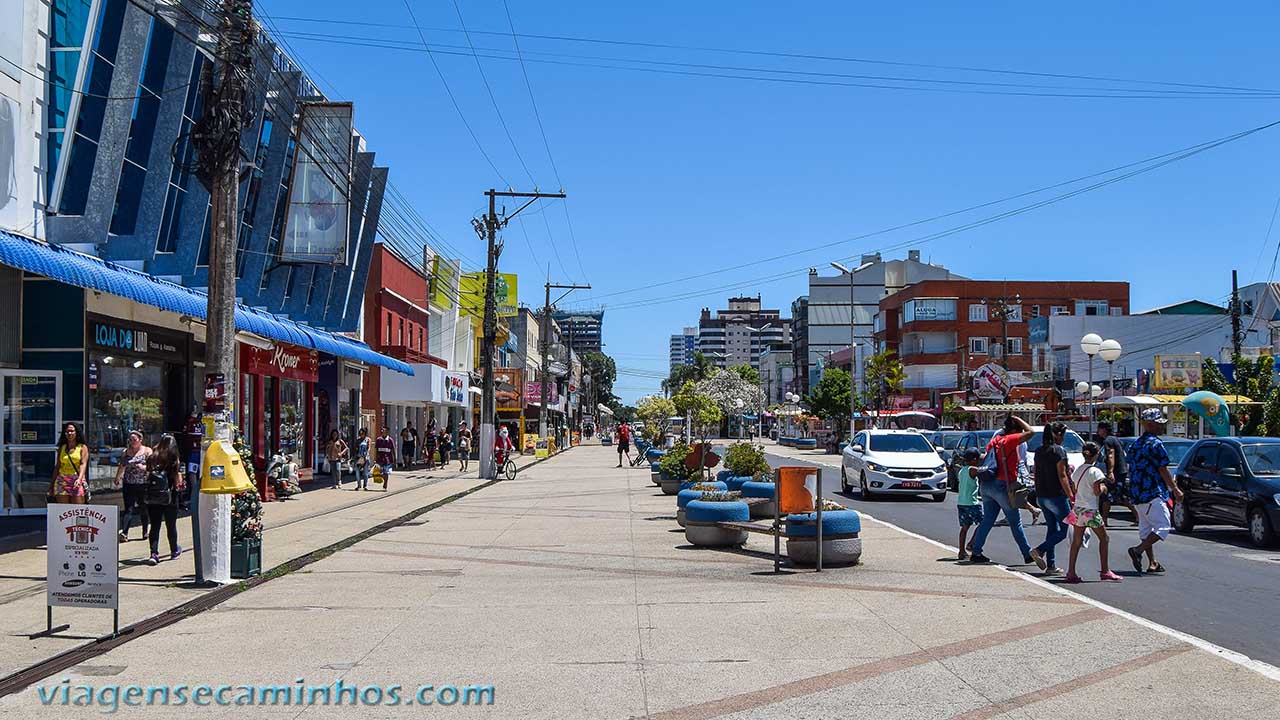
x=700, y=369
x=726, y=389
x=831, y=397
x=603, y=372
x=748, y=373
x=1271, y=415
x=884, y=376
x=1213, y=379
x=655, y=411
x=700, y=411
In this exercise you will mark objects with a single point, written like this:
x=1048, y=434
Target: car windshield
x=1071, y=442
x=1178, y=450
x=906, y=443
x=1263, y=459
x=947, y=440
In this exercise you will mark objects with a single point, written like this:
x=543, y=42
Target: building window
x=1091, y=307
x=977, y=345
x=184, y=158
x=929, y=309
x=422, y=342
x=977, y=313
x=401, y=332
x=1116, y=312
x=1035, y=311
x=1015, y=346
x=388, y=329
x=1058, y=310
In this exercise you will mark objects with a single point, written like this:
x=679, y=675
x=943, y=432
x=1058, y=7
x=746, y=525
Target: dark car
x=947, y=441
x=1231, y=481
x=976, y=439
x=1177, y=448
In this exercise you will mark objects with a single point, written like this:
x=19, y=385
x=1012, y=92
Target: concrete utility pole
x=1235, y=316
x=489, y=228
x=544, y=415
x=216, y=140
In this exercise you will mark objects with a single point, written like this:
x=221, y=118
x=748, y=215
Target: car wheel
x=1260, y=531
x=844, y=478
x=1182, y=520
x=939, y=497
x=866, y=489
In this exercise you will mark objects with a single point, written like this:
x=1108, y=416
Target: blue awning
x=91, y=273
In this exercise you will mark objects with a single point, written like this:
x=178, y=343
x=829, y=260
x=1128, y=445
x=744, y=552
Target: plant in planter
x=701, y=412
x=701, y=491
x=744, y=461
x=246, y=523
x=672, y=470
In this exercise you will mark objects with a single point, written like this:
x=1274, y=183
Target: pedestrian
x=1150, y=486
x=131, y=478
x=408, y=445
x=1117, y=472
x=1022, y=493
x=430, y=440
x=968, y=501
x=624, y=442
x=464, y=446
x=69, y=483
x=385, y=450
x=1090, y=486
x=1053, y=493
x=362, y=460
x=164, y=482
x=446, y=448
x=998, y=484
x=337, y=452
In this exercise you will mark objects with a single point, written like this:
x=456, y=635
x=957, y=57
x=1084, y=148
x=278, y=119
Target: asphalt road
x=1218, y=586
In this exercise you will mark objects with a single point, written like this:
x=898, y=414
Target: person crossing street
x=1151, y=486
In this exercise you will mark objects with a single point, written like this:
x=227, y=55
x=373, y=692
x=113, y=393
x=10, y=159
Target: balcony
x=410, y=355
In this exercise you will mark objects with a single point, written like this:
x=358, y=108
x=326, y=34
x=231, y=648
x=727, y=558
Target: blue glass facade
x=120, y=162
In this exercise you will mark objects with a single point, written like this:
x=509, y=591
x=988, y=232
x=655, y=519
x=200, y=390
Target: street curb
x=22, y=679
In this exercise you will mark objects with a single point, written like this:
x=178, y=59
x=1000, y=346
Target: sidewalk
x=572, y=591
x=294, y=527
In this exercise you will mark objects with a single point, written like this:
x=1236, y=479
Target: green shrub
x=746, y=460
x=672, y=464
x=721, y=496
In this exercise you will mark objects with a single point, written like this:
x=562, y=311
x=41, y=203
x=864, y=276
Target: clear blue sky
x=671, y=175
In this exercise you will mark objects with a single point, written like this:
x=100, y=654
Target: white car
x=893, y=462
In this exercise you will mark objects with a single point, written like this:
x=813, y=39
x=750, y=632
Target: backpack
x=158, y=489
x=989, y=470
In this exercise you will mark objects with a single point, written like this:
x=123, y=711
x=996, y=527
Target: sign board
x=797, y=488
x=286, y=361
x=508, y=386
x=1178, y=422
x=1038, y=331
x=215, y=393
x=455, y=388
x=541, y=448
x=444, y=283
x=83, y=556
x=471, y=294
x=991, y=382
x=1177, y=372
x=533, y=391
x=315, y=228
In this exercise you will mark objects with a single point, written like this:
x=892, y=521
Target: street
x=1218, y=586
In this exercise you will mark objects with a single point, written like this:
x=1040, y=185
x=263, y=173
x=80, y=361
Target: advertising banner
x=83, y=557
x=455, y=388
x=1177, y=372
x=444, y=283
x=316, y=225
x=533, y=391
x=991, y=382
x=471, y=294
x=508, y=388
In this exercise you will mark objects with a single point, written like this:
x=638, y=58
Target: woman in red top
x=624, y=442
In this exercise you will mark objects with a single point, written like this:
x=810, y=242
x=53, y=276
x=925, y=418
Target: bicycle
x=506, y=466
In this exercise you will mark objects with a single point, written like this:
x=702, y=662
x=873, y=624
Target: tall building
x=737, y=335
x=582, y=329
x=777, y=373
x=830, y=313
x=800, y=343
x=683, y=346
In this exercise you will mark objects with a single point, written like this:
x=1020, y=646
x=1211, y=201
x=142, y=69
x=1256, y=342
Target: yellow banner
x=444, y=275
x=1177, y=372
x=471, y=292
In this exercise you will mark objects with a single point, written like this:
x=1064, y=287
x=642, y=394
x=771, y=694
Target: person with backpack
x=997, y=484
x=131, y=478
x=164, y=482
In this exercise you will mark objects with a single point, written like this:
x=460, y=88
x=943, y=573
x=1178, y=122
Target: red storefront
x=277, y=402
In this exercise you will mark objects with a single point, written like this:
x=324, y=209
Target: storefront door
x=32, y=414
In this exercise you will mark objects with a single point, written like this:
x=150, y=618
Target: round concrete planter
x=735, y=482
x=703, y=511
x=707, y=485
x=724, y=475
x=802, y=546
x=752, y=489
x=687, y=495
x=654, y=455
x=669, y=485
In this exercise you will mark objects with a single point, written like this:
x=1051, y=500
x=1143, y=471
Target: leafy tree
x=700, y=411
x=700, y=369
x=884, y=376
x=655, y=410
x=830, y=398
x=748, y=373
x=603, y=372
x=624, y=413
x=726, y=389
x=1213, y=379
x=1271, y=415
x=1255, y=379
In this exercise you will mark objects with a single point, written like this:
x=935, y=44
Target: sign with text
x=315, y=228
x=215, y=393
x=444, y=282
x=113, y=336
x=1177, y=372
x=83, y=556
x=455, y=388
x=508, y=386
x=471, y=294
x=990, y=382
x=533, y=391
x=285, y=361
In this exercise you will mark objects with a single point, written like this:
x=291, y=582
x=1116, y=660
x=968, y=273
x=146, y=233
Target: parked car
x=1071, y=442
x=1177, y=448
x=947, y=444
x=1231, y=481
x=893, y=462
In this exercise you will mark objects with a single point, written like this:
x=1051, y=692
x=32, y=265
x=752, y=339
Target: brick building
x=943, y=329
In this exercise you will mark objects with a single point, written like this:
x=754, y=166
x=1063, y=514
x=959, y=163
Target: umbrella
x=1212, y=408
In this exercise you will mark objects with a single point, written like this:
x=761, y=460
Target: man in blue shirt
x=1150, y=486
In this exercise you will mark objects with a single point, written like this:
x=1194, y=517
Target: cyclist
x=502, y=447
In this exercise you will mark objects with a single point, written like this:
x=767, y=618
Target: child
x=968, y=504
x=1090, y=485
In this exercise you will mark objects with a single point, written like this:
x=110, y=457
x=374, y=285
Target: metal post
x=777, y=527
x=817, y=504
x=1089, y=394
x=854, y=351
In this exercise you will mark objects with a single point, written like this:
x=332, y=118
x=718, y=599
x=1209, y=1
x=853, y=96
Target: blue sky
x=671, y=176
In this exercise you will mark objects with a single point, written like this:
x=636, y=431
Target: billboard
x=508, y=384
x=533, y=391
x=444, y=283
x=991, y=382
x=471, y=294
x=316, y=225
x=1177, y=372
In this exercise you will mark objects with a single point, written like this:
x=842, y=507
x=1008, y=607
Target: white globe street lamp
x=1090, y=344
x=1082, y=388
x=1110, y=351
x=738, y=404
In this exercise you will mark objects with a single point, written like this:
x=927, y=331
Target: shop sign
x=107, y=335
x=1038, y=331
x=533, y=391
x=991, y=382
x=1177, y=372
x=215, y=393
x=471, y=294
x=455, y=388
x=508, y=386
x=83, y=556
x=286, y=361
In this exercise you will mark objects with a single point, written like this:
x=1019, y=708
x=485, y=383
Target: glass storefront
x=31, y=402
x=293, y=413
x=124, y=394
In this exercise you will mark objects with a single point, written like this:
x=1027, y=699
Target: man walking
x=1117, y=472
x=624, y=442
x=408, y=445
x=999, y=493
x=1150, y=486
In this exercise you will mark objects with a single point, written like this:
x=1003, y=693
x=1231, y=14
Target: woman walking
x=1090, y=485
x=464, y=446
x=385, y=451
x=446, y=448
x=337, y=452
x=362, y=460
x=430, y=441
x=131, y=478
x=69, y=472
x=1053, y=493
x=163, y=483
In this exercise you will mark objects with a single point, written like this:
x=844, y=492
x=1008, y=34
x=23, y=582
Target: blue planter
x=802, y=546
x=654, y=455
x=752, y=489
x=736, y=482
x=684, y=497
x=834, y=522
x=724, y=475
x=690, y=483
x=806, y=442
x=704, y=511
x=653, y=467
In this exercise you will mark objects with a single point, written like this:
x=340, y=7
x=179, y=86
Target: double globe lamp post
x=1110, y=351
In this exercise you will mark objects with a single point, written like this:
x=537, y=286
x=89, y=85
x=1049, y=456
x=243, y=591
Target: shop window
x=977, y=346
x=293, y=419
x=129, y=394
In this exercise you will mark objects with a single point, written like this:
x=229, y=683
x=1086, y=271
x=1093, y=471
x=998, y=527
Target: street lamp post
x=1091, y=344
x=853, y=347
x=1110, y=351
x=738, y=404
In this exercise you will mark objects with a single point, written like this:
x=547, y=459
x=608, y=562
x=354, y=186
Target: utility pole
x=1235, y=317
x=216, y=140
x=544, y=415
x=488, y=228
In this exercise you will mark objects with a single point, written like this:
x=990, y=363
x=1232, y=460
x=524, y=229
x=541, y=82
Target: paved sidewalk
x=294, y=528
x=572, y=591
